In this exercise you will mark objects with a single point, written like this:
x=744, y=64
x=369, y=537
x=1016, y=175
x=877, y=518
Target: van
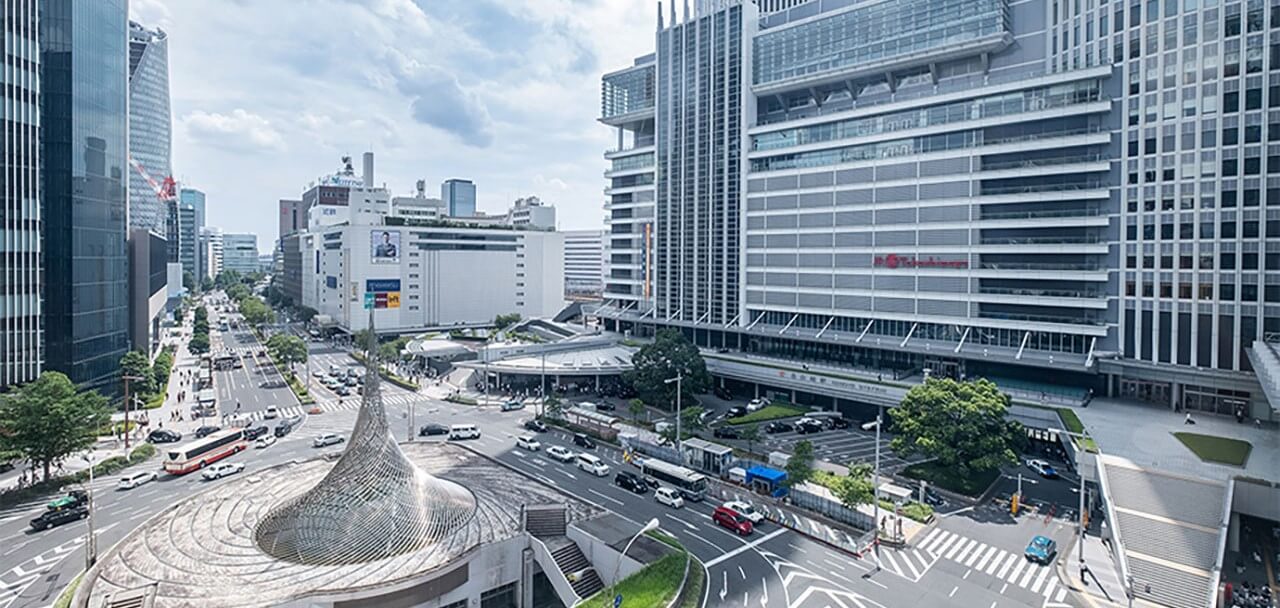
x=592, y=465
x=464, y=431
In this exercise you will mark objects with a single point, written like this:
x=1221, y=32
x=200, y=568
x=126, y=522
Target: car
x=559, y=453
x=52, y=518
x=528, y=442
x=464, y=431
x=73, y=498
x=746, y=510
x=535, y=425
x=662, y=426
x=776, y=427
x=222, y=469
x=255, y=432
x=353, y=381
x=809, y=425
x=723, y=393
x=512, y=405
x=631, y=482
x=668, y=496
x=282, y=429
x=164, y=436
x=736, y=411
x=1041, y=550
x=265, y=441
x=705, y=416
x=129, y=482
x=327, y=439
x=725, y=432
x=270, y=413
x=335, y=370
x=331, y=382
x=592, y=464
x=606, y=407
x=757, y=404
x=839, y=423
x=1043, y=468
x=342, y=390
x=583, y=441
x=427, y=430
x=728, y=518
x=207, y=430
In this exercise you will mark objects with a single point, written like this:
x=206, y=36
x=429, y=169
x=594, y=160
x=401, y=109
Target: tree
x=750, y=434
x=305, y=314
x=391, y=350
x=237, y=292
x=691, y=419
x=855, y=489
x=46, y=420
x=161, y=369
x=502, y=322
x=800, y=466
x=288, y=348
x=255, y=311
x=177, y=315
x=636, y=407
x=361, y=339
x=963, y=425
x=226, y=279
x=552, y=406
x=137, y=366
x=206, y=284
x=202, y=314
x=188, y=281
x=669, y=355
x=199, y=344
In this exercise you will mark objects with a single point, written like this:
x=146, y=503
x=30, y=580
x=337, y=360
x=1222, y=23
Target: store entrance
x=1145, y=390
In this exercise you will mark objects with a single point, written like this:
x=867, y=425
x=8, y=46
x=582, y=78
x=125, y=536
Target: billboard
x=382, y=293
x=384, y=246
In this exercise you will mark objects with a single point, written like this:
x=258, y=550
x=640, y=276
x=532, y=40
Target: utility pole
x=875, y=489
x=542, y=387
x=91, y=542
x=679, y=438
x=127, y=379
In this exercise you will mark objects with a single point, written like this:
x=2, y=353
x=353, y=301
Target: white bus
x=691, y=484
x=203, y=452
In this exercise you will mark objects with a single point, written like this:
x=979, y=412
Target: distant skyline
x=267, y=98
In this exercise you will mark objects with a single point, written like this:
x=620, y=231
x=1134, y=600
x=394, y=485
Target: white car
x=132, y=481
x=669, y=496
x=222, y=469
x=265, y=441
x=270, y=413
x=1043, y=468
x=745, y=509
x=327, y=439
x=559, y=453
x=528, y=443
x=757, y=404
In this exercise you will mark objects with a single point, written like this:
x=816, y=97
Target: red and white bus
x=201, y=453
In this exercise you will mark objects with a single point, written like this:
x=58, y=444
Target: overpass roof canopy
x=597, y=361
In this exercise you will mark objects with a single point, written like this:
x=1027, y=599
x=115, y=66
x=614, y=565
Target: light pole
x=875, y=488
x=679, y=438
x=91, y=543
x=542, y=387
x=127, y=379
x=650, y=526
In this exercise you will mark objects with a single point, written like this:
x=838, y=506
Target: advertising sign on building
x=382, y=293
x=384, y=246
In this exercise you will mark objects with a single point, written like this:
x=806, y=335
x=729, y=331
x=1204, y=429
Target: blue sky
x=269, y=94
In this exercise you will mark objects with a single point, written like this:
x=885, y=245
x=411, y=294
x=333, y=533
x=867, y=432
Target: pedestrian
x=1188, y=419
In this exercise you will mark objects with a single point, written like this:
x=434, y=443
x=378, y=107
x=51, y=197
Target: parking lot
x=841, y=446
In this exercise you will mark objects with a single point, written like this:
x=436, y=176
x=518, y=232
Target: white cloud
x=240, y=130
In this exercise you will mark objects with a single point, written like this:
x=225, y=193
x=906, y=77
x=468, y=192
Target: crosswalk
x=334, y=405
x=1012, y=568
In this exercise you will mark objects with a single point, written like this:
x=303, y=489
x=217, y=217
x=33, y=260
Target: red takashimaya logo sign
x=894, y=260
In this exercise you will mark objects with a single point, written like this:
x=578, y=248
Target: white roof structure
x=601, y=360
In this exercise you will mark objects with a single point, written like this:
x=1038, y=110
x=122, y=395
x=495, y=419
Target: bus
x=691, y=484
x=203, y=452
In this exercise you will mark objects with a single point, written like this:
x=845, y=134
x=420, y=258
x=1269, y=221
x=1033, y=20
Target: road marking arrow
x=724, y=590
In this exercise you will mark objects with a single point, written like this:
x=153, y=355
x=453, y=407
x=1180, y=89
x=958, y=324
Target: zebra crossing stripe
x=1026, y=578
x=957, y=552
x=973, y=557
x=1001, y=558
x=978, y=565
x=906, y=558
x=1062, y=595
x=943, y=544
x=888, y=556
x=932, y=534
x=1035, y=587
x=1013, y=576
x=1048, y=587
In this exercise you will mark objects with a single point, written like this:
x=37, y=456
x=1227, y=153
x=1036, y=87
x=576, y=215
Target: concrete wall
x=603, y=557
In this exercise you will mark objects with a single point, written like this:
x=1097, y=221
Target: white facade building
x=583, y=264
x=211, y=250
x=531, y=211
x=240, y=253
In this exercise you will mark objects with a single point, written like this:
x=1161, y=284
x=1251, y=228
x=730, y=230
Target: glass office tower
x=459, y=196
x=150, y=124
x=84, y=127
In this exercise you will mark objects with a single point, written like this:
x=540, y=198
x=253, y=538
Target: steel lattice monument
x=373, y=504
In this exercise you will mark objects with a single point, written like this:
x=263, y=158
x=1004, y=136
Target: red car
x=732, y=520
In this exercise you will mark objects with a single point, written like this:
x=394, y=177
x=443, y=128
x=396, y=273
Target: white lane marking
x=1048, y=587
x=1000, y=558
x=1035, y=587
x=943, y=542
x=1008, y=563
x=973, y=557
x=742, y=572
x=1013, y=576
x=966, y=574
x=985, y=558
x=1026, y=578
x=893, y=563
x=956, y=552
x=746, y=547
x=953, y=591
x=932, y=534
x=1062, y=595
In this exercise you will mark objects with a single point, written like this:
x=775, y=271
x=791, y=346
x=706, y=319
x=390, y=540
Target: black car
x=286, y=426
x=606, y=407
x=57, y=517
x=812, y=426
x=164, y=436
x=736, y=411
x=205, y=431
x=583, y=441
x=255, y=432
x=630, y=481
x=777, y=427
x=723, y=393
x=839, y=423
x=726, y=432
x=428, y=430
x=535, y=425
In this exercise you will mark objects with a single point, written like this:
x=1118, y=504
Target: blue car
x=1041, y=550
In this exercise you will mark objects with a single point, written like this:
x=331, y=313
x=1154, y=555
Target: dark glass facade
x=84, y=72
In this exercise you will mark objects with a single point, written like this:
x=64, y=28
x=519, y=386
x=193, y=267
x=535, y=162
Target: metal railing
x=1041, y=293
x=1027, y=215
x=1042, y=318
x=1029, y=188
x=1041, y=162
x=1039, y=266
x=1043, y=240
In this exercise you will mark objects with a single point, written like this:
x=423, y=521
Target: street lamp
x=648, y=527
x=875, y=488
x=91, y=543
x=127, y=379
x=679, y=438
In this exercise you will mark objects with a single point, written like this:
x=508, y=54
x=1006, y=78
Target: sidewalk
x=1101, y=585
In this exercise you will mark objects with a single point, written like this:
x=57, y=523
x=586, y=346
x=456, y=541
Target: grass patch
x=1221, y=450
x=655, y=585
x=64, y=598
x=697, y=580
x=973, y=485
x=1072, y=423
x=459, y=399
x=665, y=539
x=769, y=412
x=300, y=391
x=632, y=342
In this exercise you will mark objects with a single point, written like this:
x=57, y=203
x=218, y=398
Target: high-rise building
x=211, y=251
x=583, y=264
x=530, y=211
x=969, y=187
x=459, y=196
x=84, y=131
x=293, y=217
x=195, y=200
x=189, y=241
x=150, y=124
x=148, y=288
x=240, y=253
x=21, y=334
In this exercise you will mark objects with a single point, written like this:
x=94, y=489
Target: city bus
x=203, y=452
x=691, y=484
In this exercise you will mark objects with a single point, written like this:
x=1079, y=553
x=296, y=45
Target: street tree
x=255, y=311
x=391, y=351
x=199, y=343
x=669, y=355
x=636, y=408
x=161, y=369
x=206, y=284
x=964, y=426
x=800, y=465
x=691, y=419
x=226, y=279
x=188, y=281
x=856, y=488
x=237, y=292
x=47, y=420
x=288, y=349
x=750, y=434
x=553, y=406
x=135, y=368
x=202, y=314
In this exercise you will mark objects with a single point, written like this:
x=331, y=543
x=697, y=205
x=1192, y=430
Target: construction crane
x=165, y=190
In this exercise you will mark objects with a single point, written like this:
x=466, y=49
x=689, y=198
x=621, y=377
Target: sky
x=268, y=95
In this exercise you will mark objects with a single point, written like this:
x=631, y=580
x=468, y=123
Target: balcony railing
x=1043, y=240
x=1042, y=162
x=1089, y=267
x=1028, y=215
x=1012, y=139
x=1030, y=188
x=1086, y=320
x=1042, y=293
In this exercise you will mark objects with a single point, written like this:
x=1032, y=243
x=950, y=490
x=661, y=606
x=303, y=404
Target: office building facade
x=21, y=333
x=977, y=188
x=459, y=196
x=195, y=200
x=150, y=126
x=84, y=133
x=628, y=107
x=240, y=253
x=293, y=217
x=210, y=251
x=583, y=264
x=148, y=289
x=189, y=240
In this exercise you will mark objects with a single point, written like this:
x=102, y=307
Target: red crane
x=166, y=189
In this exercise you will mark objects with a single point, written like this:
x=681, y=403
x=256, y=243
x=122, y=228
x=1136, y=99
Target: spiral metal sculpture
x=372, y=505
